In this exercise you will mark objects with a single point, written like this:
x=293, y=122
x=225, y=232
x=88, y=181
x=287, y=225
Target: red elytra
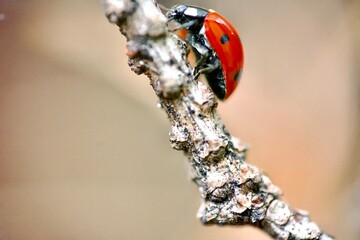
x=216, y=45
x=226, y=43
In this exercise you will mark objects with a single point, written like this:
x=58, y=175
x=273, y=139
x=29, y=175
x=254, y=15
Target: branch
x=232, y=191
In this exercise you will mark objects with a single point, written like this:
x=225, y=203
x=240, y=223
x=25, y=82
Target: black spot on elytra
x=224, y=38
x=237, y=76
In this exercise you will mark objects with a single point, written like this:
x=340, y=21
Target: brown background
x=84, y=152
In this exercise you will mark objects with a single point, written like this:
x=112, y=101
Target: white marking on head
x=190, y=11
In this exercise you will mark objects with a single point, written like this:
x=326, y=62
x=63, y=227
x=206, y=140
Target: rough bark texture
x=232, y=191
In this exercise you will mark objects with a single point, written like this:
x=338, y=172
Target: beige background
x=84, y=152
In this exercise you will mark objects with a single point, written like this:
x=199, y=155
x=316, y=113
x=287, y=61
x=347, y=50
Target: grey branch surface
x=232, y=191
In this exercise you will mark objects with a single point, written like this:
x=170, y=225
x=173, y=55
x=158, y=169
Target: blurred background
x=84, y=151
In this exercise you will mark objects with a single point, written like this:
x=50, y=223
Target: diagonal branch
x=232, y=191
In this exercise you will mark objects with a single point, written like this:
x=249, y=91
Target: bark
x=232, y=191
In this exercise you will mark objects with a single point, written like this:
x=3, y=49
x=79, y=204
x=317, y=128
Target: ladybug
x=215, y=43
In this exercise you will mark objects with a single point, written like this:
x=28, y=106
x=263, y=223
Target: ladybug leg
x=205, y=68
x=202, y=53
x=186, y=25
x=202, y=59
x=207, y=63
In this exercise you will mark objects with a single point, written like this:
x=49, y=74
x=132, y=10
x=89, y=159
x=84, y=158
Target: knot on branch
x=179, y=136
x=204, y=98
x=234, y=195
x=211, y=149
x=117, y=11
x=170, y=82
x=283, y=222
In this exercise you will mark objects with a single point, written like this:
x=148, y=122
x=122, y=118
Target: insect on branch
x=232, y=191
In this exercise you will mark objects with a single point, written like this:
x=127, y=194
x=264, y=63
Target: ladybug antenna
x=162, y=7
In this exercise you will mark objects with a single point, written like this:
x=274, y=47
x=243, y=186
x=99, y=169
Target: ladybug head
x=176, y=13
